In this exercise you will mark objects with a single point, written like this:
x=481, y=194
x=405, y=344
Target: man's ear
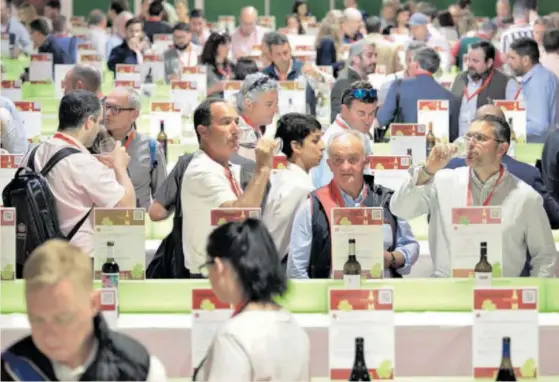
x=202, y=130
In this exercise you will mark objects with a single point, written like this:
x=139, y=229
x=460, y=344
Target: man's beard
x=477, y=76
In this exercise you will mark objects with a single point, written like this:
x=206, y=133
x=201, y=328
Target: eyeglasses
x=363, y=94
x=338, y=161
x=258, y=83
x=204, y=267
x=481, y=138
x=117, y=109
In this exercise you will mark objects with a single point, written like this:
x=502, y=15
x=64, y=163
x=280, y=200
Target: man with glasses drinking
x=359, y=104
x=147, y=162
x=432, y=189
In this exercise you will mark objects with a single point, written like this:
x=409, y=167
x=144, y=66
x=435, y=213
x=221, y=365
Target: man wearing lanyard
x=481, y=83
x=212, y=181
x=310, y=252
x=359, y=104
x=432, y=189
x=257, y=104
x=247, y=35
x=147, y=162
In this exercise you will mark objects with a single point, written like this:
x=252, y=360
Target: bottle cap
x=351, y=241
x=110, y=243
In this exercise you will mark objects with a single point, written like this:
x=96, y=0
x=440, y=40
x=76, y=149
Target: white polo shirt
x=205, y=186
x=78, y=182
x=289, y=188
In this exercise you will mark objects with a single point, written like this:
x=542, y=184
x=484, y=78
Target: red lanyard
x=342, y=125
x=256, y=129
x=281, y=77
x=490, y=195
x=337, y=195
x=129, y=139
x=517, y=93
x=234, y=186
x=480, y=89
x=66, y=139
x=225, y=73
x=239, y=308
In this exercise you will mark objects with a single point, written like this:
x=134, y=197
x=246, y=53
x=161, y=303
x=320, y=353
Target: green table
x=304, y=296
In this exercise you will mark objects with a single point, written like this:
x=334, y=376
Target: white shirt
x=526, y=227
x=258, y=346
x=156, y=372
x=78, y=182
x=288, y=189
x=98, y=38
x=204, y=187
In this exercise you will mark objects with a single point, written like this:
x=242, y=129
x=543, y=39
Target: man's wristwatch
x=393, y=264
x=424, y=171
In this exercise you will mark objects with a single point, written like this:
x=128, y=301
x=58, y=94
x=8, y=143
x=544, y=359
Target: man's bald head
x=347, y=141
x=489, y=109
x=249, y=12
x=247, y=20
x=83, y=77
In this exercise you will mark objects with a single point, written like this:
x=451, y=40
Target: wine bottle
x=409, y=153
x=512, y=146
x=162, y=138
x=359, y=372
x=483, y=269
x=352, y=268
x=506, y=371
x=431, y=139
x=110, y=271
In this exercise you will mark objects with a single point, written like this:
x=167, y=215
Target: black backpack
x=30, y=195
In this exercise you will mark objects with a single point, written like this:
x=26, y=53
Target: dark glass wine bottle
x=506, y=371
x=352, y=268
x=359, y=372
x=483, y=269
x=110, y=271
x=162, y=138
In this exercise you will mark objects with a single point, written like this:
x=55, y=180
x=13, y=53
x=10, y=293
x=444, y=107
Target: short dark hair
x=275, y=38
x=156, y=8
x=40, y=25
x=59, y=24
x=89, y=75
x=348, y=95
x=244, y=67
x=250, y=249
x=501, y=128
x=487, y=47
x=182, y=26
x=96, y=17
x=133, y=20
x=445, y=19
x=75, y=107
x=55, y=4
x=210, y=48
x=373, y=24
x=196, y=13
x=551, y=40
x=295, y=127
x=525, y=46
x=203, y=114
x=118, y=6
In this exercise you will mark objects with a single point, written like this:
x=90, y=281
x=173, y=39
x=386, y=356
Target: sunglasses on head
x=258, y=83
x=363, y=94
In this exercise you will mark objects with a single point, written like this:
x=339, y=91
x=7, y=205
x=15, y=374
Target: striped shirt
x=513, y=33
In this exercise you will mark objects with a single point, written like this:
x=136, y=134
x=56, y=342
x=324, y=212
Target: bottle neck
x=351, y=250
x=110, y=259
x=483, y=257
x=506, y=349
x=352, y=258
x=359, y=354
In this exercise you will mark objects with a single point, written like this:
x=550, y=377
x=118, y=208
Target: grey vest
x=495, y=90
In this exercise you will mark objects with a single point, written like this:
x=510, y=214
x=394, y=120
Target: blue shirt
x=301, y=240
x=23, y=40
x=540, y=92
x=14, y=138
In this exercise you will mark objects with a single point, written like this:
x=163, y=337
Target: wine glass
x=460, y=147
x=279, y=146
x=107, y=146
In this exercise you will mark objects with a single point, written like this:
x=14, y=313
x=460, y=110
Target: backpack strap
x=21, y=369
x=57, y=157
x=31, y=160
x=152, y=153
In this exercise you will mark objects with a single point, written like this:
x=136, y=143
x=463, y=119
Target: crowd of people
x=514, y=56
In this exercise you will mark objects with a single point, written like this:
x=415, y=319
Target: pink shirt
x=77, y=183
x=551, y=62
x=242, y=46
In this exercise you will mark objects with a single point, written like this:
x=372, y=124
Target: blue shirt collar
x=528, y=76
x=349, y=201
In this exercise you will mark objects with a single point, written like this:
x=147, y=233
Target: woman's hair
x=209, y=52
x=296, y=6
x=445, y=19
x=467, y=23
x=249, y=248
x=244, y=67
x=300, y=29
x=331, y=27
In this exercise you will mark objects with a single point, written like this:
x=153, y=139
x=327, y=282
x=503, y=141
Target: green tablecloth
x=304, y=296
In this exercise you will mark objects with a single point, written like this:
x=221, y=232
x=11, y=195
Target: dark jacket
x=295, y=72
x=326, y=55
x=321, y=246
x=529, y=175
x=345, y=78
x=59, y=55
x=411, y=90
x=119, y=358
x=152, y=27
x=121, y=54
x=496, y=89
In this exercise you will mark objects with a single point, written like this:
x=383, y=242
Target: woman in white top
x=261, y=341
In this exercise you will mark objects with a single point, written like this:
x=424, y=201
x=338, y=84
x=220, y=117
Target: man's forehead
x=117, y=96
x=481, y=126
x=221, y=110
